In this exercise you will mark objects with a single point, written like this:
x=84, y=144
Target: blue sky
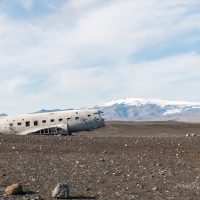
x=76, y=53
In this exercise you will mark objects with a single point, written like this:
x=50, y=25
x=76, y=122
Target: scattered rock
x=2, y=181
x=61, y=191
x=15, y=188
x=190, y=135
x=32, y=197
x=154, y=189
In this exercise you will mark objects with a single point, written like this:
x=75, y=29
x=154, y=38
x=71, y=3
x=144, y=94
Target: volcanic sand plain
x=123, y=160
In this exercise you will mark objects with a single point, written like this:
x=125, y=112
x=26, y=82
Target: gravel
x=104, y=165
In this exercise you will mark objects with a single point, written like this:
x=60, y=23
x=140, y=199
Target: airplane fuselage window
x=35, y=123
x=19, y=123
x=52, y=120
x=43, y=121
x=68, y=119
x=28, y=123
x=60, y=119
x=76, y=118
x=11, y=124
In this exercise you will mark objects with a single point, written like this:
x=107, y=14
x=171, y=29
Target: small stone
x=193, y=135
x=32, y=197
x=13, y=189
x=61, y=191
x=2, y=181
x=154, y=189
x=117, y=193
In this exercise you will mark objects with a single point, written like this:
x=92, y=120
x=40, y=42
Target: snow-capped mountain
x=150, y=109
x=146, y=110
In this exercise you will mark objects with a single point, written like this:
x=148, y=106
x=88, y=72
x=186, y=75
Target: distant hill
x=3, y=115
x=53, y=110
x=46, y=111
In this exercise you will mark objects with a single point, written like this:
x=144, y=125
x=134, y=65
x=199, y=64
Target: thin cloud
x=13, y=84
x=27, y=4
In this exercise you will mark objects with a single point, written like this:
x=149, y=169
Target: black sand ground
x=124, y=160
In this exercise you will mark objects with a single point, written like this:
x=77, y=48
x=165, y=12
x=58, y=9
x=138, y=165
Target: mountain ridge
x=140, y=109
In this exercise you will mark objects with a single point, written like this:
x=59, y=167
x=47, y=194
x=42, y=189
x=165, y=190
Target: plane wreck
x=62, y=122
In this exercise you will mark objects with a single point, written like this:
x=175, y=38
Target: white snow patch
x=174, y=111
x=159, y=102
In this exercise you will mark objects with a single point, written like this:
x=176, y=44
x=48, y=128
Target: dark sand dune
x=124, y=160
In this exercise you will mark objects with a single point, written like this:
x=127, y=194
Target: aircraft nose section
x=100, y=119
x=101, y=123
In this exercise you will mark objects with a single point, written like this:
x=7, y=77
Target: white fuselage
x=53, y=122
